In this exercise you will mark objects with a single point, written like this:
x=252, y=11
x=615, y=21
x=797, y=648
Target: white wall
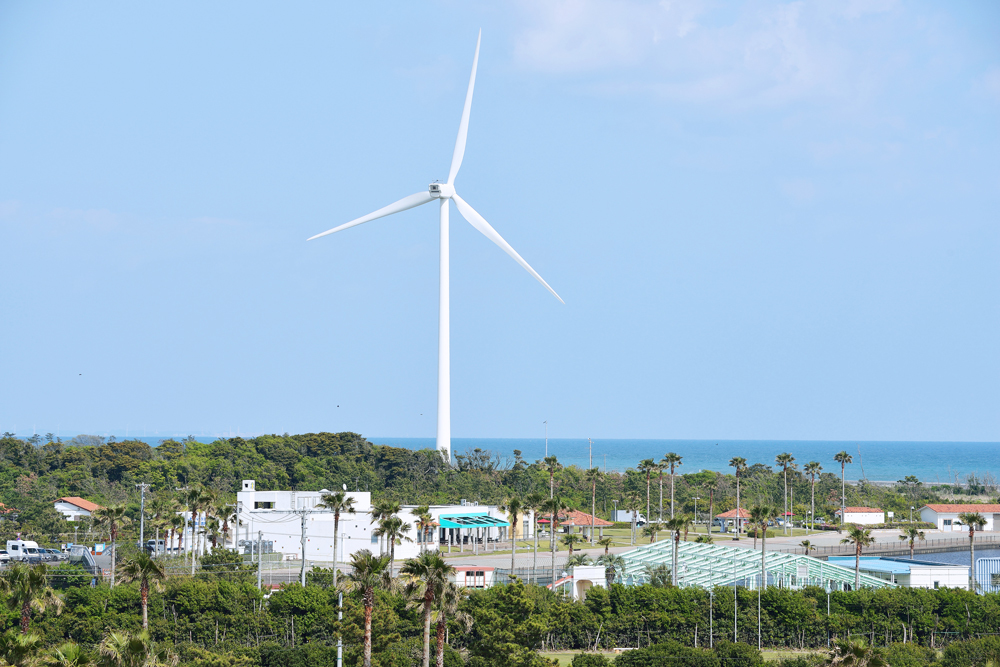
x=864, y=518
x=939, y=519
x=71, y=511
x=946, y=576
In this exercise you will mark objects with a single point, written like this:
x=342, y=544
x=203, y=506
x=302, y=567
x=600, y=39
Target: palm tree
x=651, y=530
x=69, y=654
x=704, y=539
x=860, y=537
x=426, y=577
x=912, y=534
x=552, y=507
x=368, y=573
x=552, y=466
x=613, y=563
x=975, y=521
x=24, y=586
x=673, y=460
x=394, y=530
x=855, y=653
x=843, y=458
x=593, y=476
x=143, y=569
x=712, y=485
x=760, y=517
x=514, y=506
x=425, y=524
x=447, y=607
x=633, y=501
x=20, y=650
x=533, y=502
x=122, y=649
x=676, y=525
x=114, y=518
x=177, y=525
x=812, y=469
x=646, y=467
x=659, y=470
x=808, y=546
x=607, y=543
x=225, y=513
x=740, y=464
x=784, y=460
x=339, y=503
x=578, y=559
x=571, y=541
x=382, y=509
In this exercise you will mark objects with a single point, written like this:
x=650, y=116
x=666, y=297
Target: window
x=937, y=584
x=260, y=505
x=374, y=538
x=946, y=522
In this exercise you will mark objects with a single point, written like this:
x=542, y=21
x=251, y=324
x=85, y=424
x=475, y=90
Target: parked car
x=56, y=555
x=4, y=557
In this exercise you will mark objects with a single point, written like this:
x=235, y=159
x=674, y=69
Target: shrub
x=738, y=654
x=909, y=655
x=590, y=660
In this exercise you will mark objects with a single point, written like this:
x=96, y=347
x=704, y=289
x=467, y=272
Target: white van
x=25, y=550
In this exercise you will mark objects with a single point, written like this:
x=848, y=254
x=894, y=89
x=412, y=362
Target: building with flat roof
x=908, y=572
x=945, y=516
x=296, y=526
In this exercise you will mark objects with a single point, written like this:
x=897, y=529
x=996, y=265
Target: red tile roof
x=972, y=507
x=860, y=510
x=576, y=518
x=81, y=503
x=731, y=514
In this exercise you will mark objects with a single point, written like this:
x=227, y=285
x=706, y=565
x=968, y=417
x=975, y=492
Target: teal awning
x=471, y=521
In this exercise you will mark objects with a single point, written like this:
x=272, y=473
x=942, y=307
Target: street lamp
x=911, y=513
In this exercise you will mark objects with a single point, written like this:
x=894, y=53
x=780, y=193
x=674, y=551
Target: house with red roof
x=75, y=508
x=945, y=516
x=575, y=518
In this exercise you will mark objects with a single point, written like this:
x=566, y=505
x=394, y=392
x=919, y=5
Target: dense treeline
x=210, y=620
x=34, y=472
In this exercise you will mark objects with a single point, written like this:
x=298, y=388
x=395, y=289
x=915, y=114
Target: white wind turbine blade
x=401, y=205
x=479, y=222
x=463, y=127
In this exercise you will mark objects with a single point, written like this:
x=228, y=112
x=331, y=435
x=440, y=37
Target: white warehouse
x=280, y=516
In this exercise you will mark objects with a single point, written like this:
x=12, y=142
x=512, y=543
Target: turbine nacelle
x=441, y=190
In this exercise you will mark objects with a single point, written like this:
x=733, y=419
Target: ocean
x=931, y=462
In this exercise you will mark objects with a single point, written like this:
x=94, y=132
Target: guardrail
x=927, y=546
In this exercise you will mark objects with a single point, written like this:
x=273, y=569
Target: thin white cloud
x=700, y=51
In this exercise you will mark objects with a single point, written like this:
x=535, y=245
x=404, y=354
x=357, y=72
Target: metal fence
x=900, y=547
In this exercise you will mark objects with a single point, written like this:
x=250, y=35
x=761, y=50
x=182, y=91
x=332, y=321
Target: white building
x=910, y=573
x=280, y=517
x=863, y=516
x=74, y=508
x=945, y=517
x=579, y=579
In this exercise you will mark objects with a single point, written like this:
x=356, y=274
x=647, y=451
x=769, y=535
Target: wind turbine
x=444, y=192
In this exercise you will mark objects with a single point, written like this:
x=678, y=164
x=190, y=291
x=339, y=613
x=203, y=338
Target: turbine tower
x=445, y=192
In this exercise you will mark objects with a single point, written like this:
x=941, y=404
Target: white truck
x=626, y=516
x=25, y=550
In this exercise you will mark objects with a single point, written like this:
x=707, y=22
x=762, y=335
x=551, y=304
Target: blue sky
x=768, y=219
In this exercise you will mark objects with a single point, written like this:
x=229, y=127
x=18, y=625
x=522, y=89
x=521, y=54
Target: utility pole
x=546, y=422
x=142, y=513
x=340, y=609
x=591, y=452
x=260, y=538
x=305, y=516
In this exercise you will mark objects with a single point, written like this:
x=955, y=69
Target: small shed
x=729, y=518
x=472, y=576
x=909, y=572
x=863, y=516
